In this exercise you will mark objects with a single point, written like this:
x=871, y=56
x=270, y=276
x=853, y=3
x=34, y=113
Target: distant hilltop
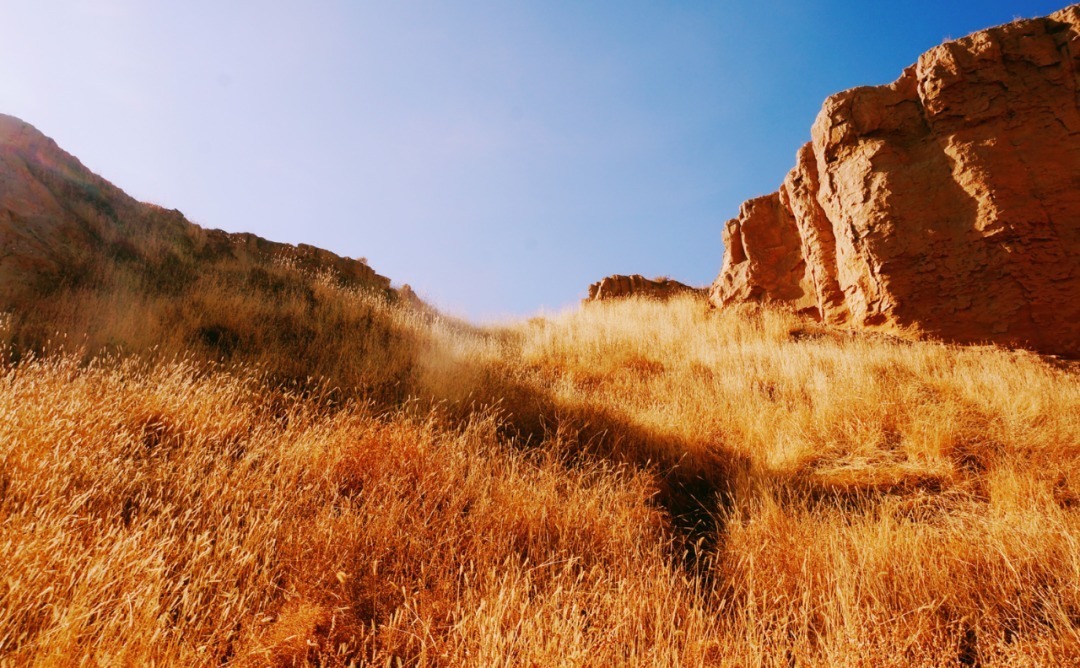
x=947, y=202
x=60, y=224
x=84, y=267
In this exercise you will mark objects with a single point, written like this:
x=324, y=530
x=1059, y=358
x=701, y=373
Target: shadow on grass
x=694, y=484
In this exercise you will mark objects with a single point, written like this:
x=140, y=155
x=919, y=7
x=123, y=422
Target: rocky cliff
x=618, y=286
x=947, y=202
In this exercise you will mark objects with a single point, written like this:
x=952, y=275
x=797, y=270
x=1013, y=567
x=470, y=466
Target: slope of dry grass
x=195, y=518
x=631, y=483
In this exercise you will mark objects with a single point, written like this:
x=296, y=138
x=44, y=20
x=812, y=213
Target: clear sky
x=499, y=156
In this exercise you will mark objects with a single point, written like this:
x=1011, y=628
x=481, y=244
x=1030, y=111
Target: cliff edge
x=946, y=202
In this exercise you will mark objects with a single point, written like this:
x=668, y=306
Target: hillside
x=699, y=489
x=60, y=222
x=86, y=266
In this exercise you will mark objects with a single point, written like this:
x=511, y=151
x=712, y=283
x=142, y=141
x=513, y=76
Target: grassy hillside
x=85, y=266
x=631, y=483
x=302, y=327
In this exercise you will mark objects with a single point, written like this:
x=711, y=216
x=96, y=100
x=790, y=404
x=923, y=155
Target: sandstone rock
x=636, y=285
x=764, y=261
x=947, y=202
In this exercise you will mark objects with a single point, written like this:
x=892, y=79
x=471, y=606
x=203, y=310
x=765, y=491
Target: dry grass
x=195, y=518
x=631, y=483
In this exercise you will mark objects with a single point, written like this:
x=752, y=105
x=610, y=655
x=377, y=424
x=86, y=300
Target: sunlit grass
x=629, y=483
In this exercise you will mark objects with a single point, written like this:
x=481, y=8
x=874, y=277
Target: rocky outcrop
x=947, y=202
x=618, y=286
x=764, y=260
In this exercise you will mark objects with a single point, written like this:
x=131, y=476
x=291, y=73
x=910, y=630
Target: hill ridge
x=52, y=208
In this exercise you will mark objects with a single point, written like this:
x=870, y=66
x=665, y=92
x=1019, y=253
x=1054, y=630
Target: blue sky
x=499, y=156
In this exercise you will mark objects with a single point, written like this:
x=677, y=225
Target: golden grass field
x=630, y=483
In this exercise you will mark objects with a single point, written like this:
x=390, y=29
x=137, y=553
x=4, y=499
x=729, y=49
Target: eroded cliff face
x=764, y=260
x=948, y=201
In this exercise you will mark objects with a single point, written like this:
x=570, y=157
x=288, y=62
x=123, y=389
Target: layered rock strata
x=946, y=202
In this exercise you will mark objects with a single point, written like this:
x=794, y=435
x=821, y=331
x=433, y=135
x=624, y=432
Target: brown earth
x=947, y=202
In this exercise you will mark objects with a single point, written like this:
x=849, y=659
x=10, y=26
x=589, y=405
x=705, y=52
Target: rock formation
x=636, y=285
x=947, y=202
